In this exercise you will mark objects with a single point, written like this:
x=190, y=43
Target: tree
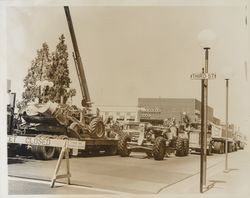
x=59, y=74
x=37, y=72
x=50, y=69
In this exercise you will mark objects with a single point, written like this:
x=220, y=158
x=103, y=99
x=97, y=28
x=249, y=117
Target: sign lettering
x=203, y=76
x=45, y=141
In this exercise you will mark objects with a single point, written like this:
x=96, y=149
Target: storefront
x=155, y=110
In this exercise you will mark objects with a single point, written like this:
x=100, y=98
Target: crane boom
x=78, y=61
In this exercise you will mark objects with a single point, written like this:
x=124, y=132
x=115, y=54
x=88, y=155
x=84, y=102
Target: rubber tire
x=235, y=146
x=34, y=150
x=96, y=128
x=180, y=150
x=43, y=152
x=111, y=150
x=222, y=148
x=217, y=147
x=186, y=146
x=149, y=154
x=122, y=146
x=159, y=148
x=209, y=150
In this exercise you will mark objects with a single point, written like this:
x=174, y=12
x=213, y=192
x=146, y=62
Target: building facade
x=119, y=113
x=155, y=110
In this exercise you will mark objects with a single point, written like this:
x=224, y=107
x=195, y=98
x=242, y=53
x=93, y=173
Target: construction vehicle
x=61, y=121
x=194, y=132
x=219, y=137
x=240, y=141
x=155, y=141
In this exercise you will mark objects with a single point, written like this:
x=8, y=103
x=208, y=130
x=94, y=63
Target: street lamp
x=227, y=73
x=206, y=40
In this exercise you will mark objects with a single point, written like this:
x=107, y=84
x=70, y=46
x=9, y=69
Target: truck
x=194, y=135
x=155, y=141
x=219, y=137
x=62, y=121
x=240, y=141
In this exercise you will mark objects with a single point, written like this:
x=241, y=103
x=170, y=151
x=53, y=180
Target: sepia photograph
x=109, y=98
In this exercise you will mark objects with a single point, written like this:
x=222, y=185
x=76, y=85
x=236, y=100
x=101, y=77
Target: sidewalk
x=235, y=183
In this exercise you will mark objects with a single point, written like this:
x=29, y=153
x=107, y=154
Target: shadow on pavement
x=16, y=160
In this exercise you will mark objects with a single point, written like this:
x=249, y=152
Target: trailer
x=194, y=134
x=61, y=121
x=219, y=138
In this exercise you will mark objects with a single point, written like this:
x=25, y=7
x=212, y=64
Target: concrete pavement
x=138, y=175
x=234, y=183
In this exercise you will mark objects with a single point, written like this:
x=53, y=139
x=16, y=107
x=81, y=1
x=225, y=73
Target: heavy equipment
x=155, y=141
x=62, y=121
x=220, y=136
x=194, y=132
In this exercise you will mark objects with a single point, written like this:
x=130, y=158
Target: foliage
x=48, y=77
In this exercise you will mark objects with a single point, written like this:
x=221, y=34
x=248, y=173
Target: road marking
x=14, y=178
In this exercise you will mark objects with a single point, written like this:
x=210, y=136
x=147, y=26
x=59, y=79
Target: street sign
x=42, y=141
x=203, y=76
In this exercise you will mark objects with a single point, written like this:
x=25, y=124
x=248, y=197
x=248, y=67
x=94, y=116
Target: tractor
x=155, y=141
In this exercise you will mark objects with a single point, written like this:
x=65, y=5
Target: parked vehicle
x=219, y=137
x=153, y=140
x=61, y=121
x=194, y=132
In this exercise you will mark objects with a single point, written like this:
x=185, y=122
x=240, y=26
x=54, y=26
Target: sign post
x=204, y=77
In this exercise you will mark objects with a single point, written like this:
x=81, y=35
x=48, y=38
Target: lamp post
x=226, y=158
x=206, y=39
x=227, y=74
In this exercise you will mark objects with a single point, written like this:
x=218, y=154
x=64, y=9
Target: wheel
x=186, y=146
x=217, y=147
x=34, y=149
x=149, y=154
x=235, y=147
x=159, y=148
x=222, y=148
x=96, y=128
x=122, y=146
x=111, y=150
x=180, y=150
x=46, y=152
x=43, y=152
x=209, y=150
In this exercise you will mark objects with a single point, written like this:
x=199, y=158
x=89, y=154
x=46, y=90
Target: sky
x=137, y=51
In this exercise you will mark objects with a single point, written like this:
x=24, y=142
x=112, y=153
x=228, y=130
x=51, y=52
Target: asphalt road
x=107, y=174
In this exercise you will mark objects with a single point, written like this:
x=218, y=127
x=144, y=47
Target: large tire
x=122, y=146
x=217, y=147
x=222, y=148
x=235, y=147
x=96, y=128
x=111, y=150
x=43, y=152
x=159, y=148
x=149, y=154
x=180, y=149
x=186, y=146
x=209, y=150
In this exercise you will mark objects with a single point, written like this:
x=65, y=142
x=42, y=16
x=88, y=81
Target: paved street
x=136, y=174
